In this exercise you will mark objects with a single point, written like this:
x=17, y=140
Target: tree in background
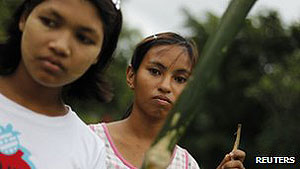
x=6, y=8
x=257, y=85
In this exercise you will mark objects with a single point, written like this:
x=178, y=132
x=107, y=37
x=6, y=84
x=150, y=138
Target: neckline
x=28, y=113
x=119, y=155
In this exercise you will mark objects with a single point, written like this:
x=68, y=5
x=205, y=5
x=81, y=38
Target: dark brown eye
x=49, y=22
x=84, y=39
x=154, y=71
x=180, y=79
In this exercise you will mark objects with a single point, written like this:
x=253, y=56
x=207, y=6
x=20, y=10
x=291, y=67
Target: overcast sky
x=153, y=16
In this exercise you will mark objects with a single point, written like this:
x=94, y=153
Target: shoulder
x=99, y=129
x=96, y=127
x=91, y=148
x=82, y=134
x=83, y=130
x=190, y=162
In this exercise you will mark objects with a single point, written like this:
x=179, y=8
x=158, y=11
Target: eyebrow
x=158, y=65
x=80, y=28
x=183, y=71
x=88, y=30
x=161, y=66
x=54, y=13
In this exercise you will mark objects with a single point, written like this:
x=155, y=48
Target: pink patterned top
x=181, y=159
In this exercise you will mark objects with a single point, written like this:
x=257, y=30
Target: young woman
x=55, y=49
x=159, y=70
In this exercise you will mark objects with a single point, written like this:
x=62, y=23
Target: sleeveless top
x=181, y=159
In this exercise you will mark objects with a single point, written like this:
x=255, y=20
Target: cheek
x=30, y=41
x=82, y=61
x=93, y=53
x=34, y=31
x=146, y=82
x=178, y=90
x=142, y=86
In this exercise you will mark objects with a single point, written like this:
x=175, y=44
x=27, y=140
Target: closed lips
x=54, y=61
x=164, y=98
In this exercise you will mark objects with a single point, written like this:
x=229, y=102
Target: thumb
x=225, y=159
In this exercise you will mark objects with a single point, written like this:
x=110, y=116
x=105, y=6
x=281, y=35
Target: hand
x=233, y=160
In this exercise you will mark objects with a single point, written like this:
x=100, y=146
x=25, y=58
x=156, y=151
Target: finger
x=237, y=155
x=233, y=164
x=225, y=160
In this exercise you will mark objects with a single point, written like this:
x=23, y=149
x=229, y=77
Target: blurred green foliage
x=6, y=8
x=258, y=84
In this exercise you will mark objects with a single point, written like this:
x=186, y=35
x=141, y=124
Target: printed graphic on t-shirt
x=12, y=154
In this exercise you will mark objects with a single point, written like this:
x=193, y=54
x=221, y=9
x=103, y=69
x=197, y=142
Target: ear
x=22, y=22
x=130, y=76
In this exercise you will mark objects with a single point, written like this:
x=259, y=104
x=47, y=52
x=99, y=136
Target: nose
x=165, y=85
x=60, y=45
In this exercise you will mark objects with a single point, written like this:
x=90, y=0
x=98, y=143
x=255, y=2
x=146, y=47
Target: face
x=60, y=41
x=160, y=79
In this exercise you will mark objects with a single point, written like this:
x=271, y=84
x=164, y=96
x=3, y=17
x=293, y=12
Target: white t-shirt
x=33, y=141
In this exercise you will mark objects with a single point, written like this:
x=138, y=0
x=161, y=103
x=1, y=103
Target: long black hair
x=166, y=38
x=92, y=84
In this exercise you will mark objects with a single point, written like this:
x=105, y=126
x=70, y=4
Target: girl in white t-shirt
x=55, y=49
x=159, y=70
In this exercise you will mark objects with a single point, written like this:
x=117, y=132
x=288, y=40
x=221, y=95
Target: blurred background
x=258, y=83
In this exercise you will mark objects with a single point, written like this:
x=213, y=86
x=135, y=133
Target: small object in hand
x=238, y=136
x=237, y=140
